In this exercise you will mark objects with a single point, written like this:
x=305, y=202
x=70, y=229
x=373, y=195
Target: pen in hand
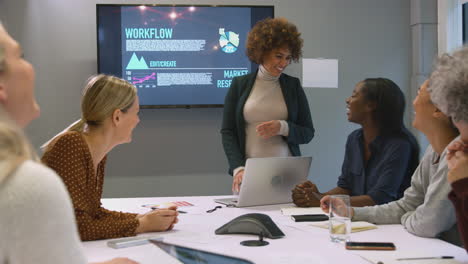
x=439, y=257
x=179, y=211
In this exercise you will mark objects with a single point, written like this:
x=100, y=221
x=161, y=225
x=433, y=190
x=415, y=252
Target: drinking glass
x=340, y=220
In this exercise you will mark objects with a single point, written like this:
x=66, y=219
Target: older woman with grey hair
x=449, y=91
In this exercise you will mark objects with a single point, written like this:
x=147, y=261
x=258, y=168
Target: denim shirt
x=387, y=173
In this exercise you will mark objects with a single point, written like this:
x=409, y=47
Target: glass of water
x=340, y=220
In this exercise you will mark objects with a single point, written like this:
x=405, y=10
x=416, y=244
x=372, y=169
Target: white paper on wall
x=320, y=73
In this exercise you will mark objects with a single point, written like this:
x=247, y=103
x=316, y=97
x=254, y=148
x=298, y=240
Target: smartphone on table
x=370, y=245
x=309, y=217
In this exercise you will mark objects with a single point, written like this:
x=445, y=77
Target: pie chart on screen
x=229, y=41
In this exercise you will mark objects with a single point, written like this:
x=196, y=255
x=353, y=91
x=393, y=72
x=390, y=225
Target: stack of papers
x=355, y=226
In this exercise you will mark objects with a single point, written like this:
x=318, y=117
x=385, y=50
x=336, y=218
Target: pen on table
x=370, y=261
x=439, y=257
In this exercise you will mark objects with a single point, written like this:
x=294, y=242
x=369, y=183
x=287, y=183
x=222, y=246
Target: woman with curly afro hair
x=266, y=113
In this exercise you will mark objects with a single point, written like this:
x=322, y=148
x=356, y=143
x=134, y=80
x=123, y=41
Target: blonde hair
x=102, y=95
x=14, y=146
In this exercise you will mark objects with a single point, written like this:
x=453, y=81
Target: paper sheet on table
x=168, y=204
x=294, y=210
x=355, y=226
x=320, y=73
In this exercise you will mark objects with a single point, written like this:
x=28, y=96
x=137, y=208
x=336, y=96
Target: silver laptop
x=269, y=181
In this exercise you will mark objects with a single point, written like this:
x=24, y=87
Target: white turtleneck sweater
x=265, y=103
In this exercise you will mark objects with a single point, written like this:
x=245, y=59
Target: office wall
x=423, y=20
x=178, y=151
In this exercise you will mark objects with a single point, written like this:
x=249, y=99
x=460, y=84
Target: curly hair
x=448, y=84
x=273, y=33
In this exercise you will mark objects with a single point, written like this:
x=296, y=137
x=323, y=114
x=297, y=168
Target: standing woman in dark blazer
x=266, y=113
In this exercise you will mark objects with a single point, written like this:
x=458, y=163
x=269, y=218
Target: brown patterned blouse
x=70, y=157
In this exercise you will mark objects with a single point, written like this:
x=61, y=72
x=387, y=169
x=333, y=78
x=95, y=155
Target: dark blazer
x=301, y=129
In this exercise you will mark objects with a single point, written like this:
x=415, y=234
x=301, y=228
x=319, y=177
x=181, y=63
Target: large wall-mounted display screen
x=177, y=56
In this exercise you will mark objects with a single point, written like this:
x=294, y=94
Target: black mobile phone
x=370, y=245
x=310, y=217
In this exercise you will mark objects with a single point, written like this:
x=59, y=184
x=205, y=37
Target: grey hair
x=448, y=84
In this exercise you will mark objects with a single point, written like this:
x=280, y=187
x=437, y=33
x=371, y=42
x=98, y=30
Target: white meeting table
x=302, y=243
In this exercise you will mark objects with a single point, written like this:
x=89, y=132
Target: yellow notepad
x=355, y=226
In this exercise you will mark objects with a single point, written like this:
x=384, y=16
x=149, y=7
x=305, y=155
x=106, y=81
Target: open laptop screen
x=194, y=256
x=270, y=180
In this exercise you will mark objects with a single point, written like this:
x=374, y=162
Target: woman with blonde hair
x=34, y=203
x=109, y=114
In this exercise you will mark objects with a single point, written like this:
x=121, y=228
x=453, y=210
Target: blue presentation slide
x=183, y=55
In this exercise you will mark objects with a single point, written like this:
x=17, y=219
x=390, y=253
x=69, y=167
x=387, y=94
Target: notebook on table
x=269, y=181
